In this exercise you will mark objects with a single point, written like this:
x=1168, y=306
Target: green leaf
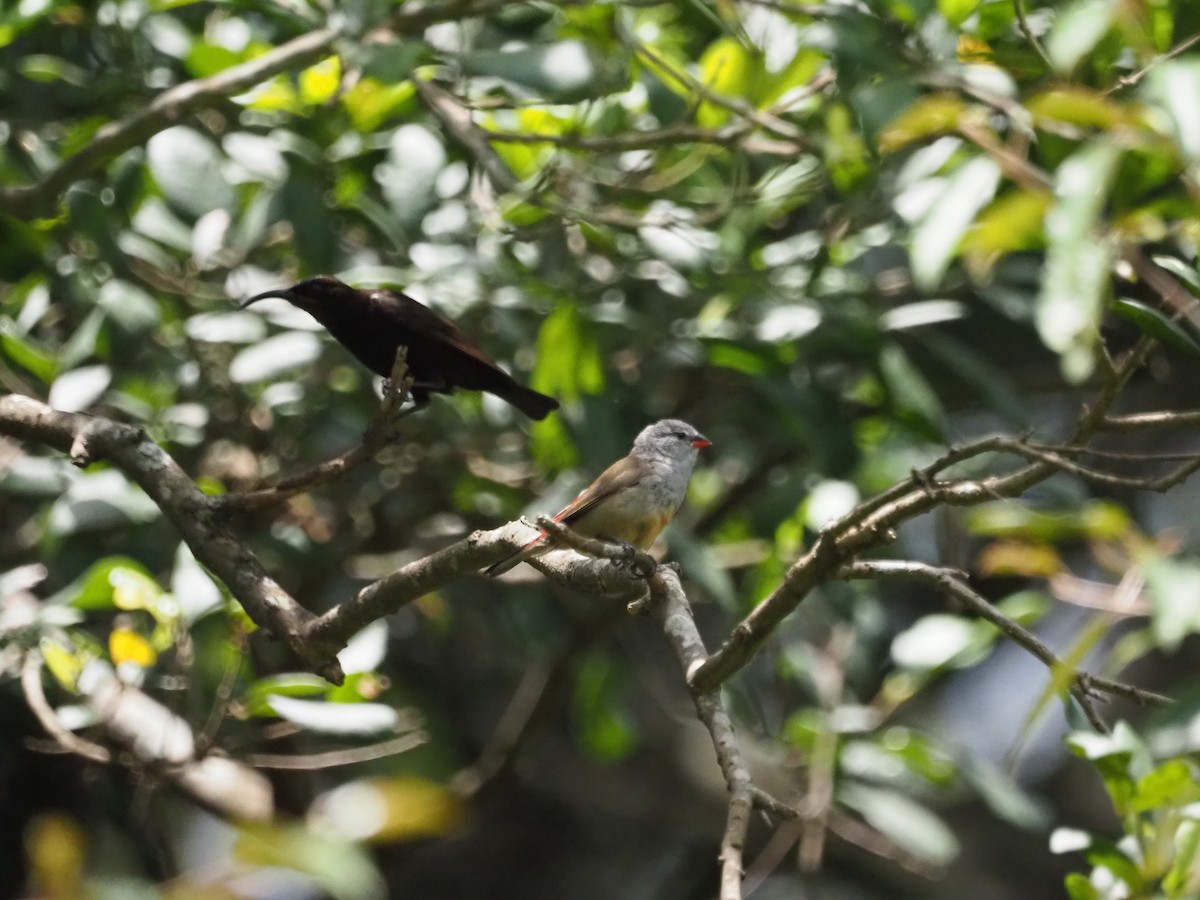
x=568, y=360
x=1174, y=588
x=371, y=103
x=729, y=69
x=936, y=237
x=1097, y=520
x=1119, y=758
x=1175, y=86
x=957, y=11
x=1079, y=887
x=1079, y=260
x=1170, y=785
x=1156, y=324
x=1078, y=29
x=26, y=354
x=1077, y=106
x=910, y=393
x=94, y=589
x=1183, y=878
x=290, y=684
x=342, y=867
x=603, y=725
x=906, y=822
x=940, y=640
x=189, y=169
x=929, y=116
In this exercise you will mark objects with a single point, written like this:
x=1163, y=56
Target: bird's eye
x=680, y=435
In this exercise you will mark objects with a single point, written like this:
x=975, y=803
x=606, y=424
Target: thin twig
x=379, y=434
x=170, y=107
x=954, y=584
x=195, y=515
x=1134, y=78
x=873, y=523
x=539, y=686
x=1145, y=421
x=35, y=696
x=332, y=758
x=224, y=694
x=1023, y=24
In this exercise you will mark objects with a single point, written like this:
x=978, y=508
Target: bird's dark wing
x=431, y=325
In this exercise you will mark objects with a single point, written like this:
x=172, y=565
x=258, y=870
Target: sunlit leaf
x=389, y=809
x=906, y=822
x=957, y=11
x=272, y=357
x=1096, y=519
x=936, y=641
x=932, y=115
x=62, y=661
x=1157, y=324
x=936, y=237
x=1175, y=85
x=366, y=650
x=78, y=389
x=127, y=646
x=371, y=103
x=729, y=69
x=1077, y=106
x=1174, y=588
x=187, y=167
x=1173, y=783
x=341, y=867
x=319, y=83
x=131, y=589
x=1077, y=30
x=1012, y=222
x=335, y=718
x=1019, y=558
x=1079, y=260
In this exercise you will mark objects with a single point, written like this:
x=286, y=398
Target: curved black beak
x=282, y=293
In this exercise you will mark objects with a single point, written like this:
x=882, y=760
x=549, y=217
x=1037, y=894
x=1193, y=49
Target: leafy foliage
x=834, y=236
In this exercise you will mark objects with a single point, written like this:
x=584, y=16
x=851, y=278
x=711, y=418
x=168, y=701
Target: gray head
x=670, y=438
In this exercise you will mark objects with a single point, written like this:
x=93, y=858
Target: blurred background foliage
x=833, y=236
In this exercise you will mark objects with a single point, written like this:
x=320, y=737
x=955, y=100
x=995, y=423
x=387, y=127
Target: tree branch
x=954, y=584
x=170, y=107
x=35, y=696
x=379, y=434
x=194, y=514
x=873, y=523
x=671, y=610
x=174, y=104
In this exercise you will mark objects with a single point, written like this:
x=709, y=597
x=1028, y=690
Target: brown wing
x=622, y=474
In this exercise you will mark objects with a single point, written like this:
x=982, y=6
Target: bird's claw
x=639, y=564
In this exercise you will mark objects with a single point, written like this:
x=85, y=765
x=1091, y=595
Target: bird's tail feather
x=515, y=558
x=528, y=401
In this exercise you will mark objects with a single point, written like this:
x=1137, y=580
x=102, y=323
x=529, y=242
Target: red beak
x=701, y=442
